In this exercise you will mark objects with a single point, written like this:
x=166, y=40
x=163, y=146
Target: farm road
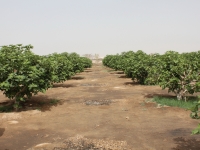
x=100, y=108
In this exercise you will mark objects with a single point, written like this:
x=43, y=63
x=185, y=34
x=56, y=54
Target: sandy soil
x=98, y=109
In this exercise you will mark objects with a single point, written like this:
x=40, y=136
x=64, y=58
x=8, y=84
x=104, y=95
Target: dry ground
x=98, y=109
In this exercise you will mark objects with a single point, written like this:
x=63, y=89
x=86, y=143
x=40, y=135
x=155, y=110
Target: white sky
x=101, y=26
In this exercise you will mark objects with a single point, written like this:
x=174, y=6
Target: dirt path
x=100, y=108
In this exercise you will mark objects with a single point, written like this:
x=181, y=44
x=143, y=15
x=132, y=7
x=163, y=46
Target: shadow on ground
x=117, y=72
x=88, y=71
x=172, y=96
x=123, y=76
x=77, y=78
x=186, y=144
x=39, y=102
x=131, y=83
x=58, y=85
x=152, y=95
x=2, y=130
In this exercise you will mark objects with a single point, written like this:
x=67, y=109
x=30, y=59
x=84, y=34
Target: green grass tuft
x=176, y=103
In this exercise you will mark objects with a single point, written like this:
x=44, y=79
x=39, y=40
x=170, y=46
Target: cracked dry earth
x=99, y=109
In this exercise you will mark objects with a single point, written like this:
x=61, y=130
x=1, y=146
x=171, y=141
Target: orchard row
x=179, y=73
x=23, y=74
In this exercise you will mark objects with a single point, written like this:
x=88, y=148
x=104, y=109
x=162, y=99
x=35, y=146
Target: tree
x=22, y=73
x=179, y=73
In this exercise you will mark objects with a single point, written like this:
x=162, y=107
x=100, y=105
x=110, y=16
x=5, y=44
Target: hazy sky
x=101, y=26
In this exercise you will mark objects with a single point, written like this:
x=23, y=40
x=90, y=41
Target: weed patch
x=176, y=103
